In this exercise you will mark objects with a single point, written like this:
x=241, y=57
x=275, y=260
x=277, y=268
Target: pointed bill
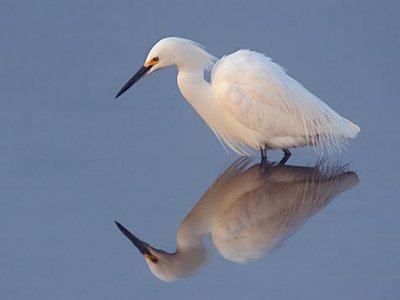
x=142, y=246
x=135, y=78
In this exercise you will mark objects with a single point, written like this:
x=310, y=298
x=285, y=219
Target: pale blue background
x=73, y=159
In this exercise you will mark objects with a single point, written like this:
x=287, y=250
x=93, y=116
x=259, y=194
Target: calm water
x=73, y=160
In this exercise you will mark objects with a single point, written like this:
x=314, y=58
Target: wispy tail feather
x=353, y=129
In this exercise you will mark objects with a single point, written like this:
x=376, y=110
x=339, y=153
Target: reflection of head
x=248, y=211
x=169, y=266
x=181, y=264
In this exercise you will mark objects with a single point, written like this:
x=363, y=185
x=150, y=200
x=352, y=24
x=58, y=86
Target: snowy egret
x=250, y=102
x=248, y=211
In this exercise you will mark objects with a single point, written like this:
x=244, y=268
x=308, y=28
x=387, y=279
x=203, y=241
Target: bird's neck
x=196, y=90
x=190, y=235
x=198, y=222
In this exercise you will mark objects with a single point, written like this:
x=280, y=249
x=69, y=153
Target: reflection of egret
x=250, y=103
x=248, y=212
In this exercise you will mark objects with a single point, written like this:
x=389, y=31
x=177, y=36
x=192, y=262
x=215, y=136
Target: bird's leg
x=263, y=151
x=285, y=157
x=264, y=161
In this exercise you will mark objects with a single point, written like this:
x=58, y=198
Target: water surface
x=73, y=160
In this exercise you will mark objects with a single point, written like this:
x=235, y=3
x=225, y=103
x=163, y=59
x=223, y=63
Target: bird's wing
x=259, y=93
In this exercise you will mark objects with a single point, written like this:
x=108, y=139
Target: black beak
x=139, y=74
x=143, y=247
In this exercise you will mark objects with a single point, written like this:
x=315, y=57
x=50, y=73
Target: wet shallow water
x=73, y=160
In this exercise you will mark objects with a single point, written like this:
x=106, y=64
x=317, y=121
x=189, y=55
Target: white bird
x=250, y=102
x=249, y=212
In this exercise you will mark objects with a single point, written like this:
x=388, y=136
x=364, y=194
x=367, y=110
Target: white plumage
x=250, y=103
x=273, y=108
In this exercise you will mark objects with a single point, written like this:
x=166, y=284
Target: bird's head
x=172, y=51
x=168, y=266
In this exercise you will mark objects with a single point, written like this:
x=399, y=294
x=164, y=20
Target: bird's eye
x=156, y=58
x=154, y=260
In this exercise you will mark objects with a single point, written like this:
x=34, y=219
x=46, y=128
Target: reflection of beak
x=139, y=74
x=142, y=246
